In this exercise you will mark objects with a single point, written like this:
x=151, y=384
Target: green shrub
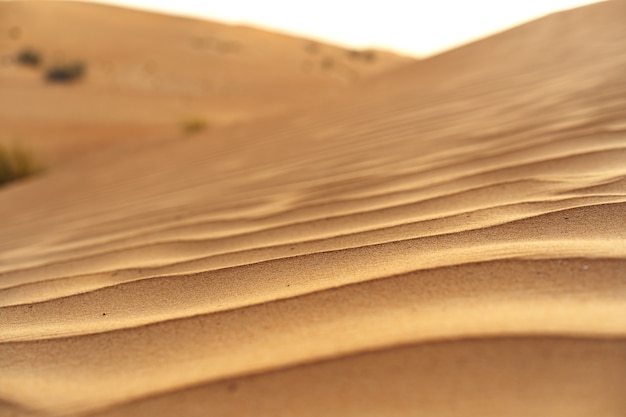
x=29, y=57
x=63, y=73
x=16, y=163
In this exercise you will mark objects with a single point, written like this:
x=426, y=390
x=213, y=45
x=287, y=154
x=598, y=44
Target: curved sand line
x=471, y=300
x=520, y=377
x=72, y=285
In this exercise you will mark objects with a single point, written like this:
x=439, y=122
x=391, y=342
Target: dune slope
x=449, y=239
x=150, y=75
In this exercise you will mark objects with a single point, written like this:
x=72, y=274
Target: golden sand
x=447, y=238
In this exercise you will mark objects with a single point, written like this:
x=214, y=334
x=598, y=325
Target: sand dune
x=149, y=74
x=447, y=238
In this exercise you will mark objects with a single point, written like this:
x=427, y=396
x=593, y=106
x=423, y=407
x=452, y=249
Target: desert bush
x=193, y=125
x=353, y=53
x=327, y=63
x=29, y=57
x=369, y=56
x=16, y=163
x=366, y=55
x=63, y=73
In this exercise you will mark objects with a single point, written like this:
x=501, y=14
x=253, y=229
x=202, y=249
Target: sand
x=445, y=238
x=149, y=74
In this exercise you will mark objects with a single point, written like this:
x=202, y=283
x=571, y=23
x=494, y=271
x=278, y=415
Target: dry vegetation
x=193, y=125
x=66, y=72
x=16, y=162
x=58, y=72
x=29, y=57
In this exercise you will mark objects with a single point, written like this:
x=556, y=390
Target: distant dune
x=149, y=74
x=446, y=238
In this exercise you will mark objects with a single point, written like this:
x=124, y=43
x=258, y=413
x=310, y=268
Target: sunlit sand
x=444, y=237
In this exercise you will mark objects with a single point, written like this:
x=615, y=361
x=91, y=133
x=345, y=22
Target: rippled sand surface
x=448, y=239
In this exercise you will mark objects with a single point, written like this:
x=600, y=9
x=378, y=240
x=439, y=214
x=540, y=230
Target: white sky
x=415, y=27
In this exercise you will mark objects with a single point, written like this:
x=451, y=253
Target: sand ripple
x=450, y=238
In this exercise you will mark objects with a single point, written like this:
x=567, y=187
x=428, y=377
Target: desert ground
x=347, y=233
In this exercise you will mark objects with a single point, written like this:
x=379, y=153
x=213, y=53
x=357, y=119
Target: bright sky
x=415, y=27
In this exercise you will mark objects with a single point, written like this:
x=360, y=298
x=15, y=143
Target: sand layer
x=446, y=240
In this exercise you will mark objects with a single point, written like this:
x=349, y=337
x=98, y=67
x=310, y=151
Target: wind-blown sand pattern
x=448, y=239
